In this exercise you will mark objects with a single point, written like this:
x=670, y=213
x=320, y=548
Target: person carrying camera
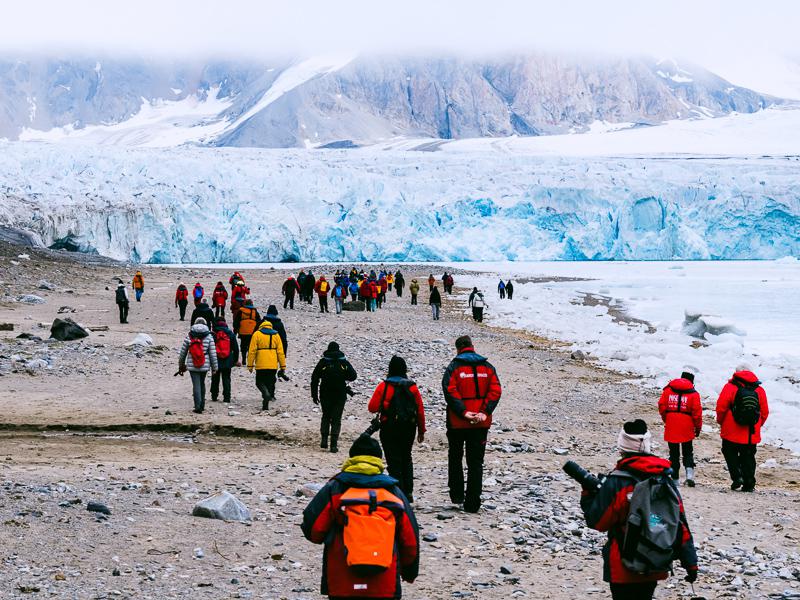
x=329, y=389
x=639, y=505
x=472, y=390
x=402, y=418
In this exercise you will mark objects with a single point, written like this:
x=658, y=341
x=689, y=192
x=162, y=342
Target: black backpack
x=403, y=408
x=746, y=408
x=121, y=295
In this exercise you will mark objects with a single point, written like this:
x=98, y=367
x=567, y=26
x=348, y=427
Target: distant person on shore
x=610, y=508
x=227, y=358
x=339, y=295
x=267, y=357
x=501, y=289
x=435, y=300
x=197, y=293
x=182, y=300
x=203, y=311
x=353, y=289
x=138, y=285
x=413, y=289
x=329, y=389
x=277, y=325
x=123, y=303
x=477, y=303
x=219, y=299
x=301, y=283
x=245, y=323
x=322, y=288
x=448, y=283
x=199, y=356
x=309, y=285
x=399, y=283
x=682, y=412
x=402, y=417
x=431, y=282
x=389, y=280
x=239, y=293
x=509, y=290
x=472, y=391
x=367, y=526
x=742, y=409
x=289, y=289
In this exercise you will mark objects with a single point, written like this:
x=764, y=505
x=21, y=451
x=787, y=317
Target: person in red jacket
x=325, y=522
x=322, y=288
x=472, y=390
x=218, y=299
x=607, y=508
x=402, y=416
x=289, y=289
x=682, y=412
x=182, y=300
x=197, y=293
x=741, y=411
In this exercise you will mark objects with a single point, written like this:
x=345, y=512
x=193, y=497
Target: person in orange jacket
x=431, y=282
x=682, y=412
x=742, y=410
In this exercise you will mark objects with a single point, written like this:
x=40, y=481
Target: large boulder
x=224, y=506
x=66, y=330
x=355, y=305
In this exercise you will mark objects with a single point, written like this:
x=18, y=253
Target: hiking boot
x=334, y=444
x=471, y=508
x=737, y=483
x=213, y=399
x=749, y=488
x=323, y=442
x=228, y=400
x=690, y=476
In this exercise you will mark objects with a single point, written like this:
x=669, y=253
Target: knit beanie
x=272, y=310
x=333, y=347
x=634, y=438
x=366, y=446
x=688, y=375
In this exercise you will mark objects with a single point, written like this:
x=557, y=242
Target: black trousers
x=265, y=382
x=225, y=376
x=413, y=298
x=288, y=300
x=244, y=347
x=182, y=308
x=509, y=293
x=397, y=442
x=741, y=460
x=502, y=293
x=323, y=303
x=399, y=290
x=477, y=313
x=219, y=311
x=123, y=311
x=474, y=441
x=675, y=451
x=633, y=591
x=331, y=423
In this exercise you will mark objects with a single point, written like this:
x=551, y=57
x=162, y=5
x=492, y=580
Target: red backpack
x=223, y=341
x=197, y=352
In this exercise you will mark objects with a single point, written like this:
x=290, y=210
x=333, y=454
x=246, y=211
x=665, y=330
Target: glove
x=282, y=375
x=697, y=432
x=691, y=576
x=182, y=369
x=420, y=437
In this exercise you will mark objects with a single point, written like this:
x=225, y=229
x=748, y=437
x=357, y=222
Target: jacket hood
x=644, y=463
x=468, y=355
x=681, y=385
x=322, y=277
x=199, y=330
x=266, y=327
x=334, y=355
x=272, y=318
x=366, y=481
x=747, y=376
x=396, y=379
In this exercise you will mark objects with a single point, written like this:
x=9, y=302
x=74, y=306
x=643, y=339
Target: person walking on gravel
x=277, y=325
x=182, y=300
x=199, y=356
x=472, y=391
x=289, y=289
x=219, y=298
x=138, y=285
x=742, y=409
x=329, y=389
x=435, y=300
x=322, y=288
x=266, y=356
x=431, y=282
x=227, y=358
x=399, y=283
x=477, y=303
x=402, y=417
x=413, y=289
x=123, y=303
x=682, y=412
x=367, y=526
x=245, y=322
x=608, y=508
x=197, y=293
x=204, y=311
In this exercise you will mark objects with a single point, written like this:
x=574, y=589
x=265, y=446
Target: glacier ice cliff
x=237, y=205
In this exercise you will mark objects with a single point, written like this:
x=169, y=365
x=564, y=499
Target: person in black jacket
x=223, y=372
x=203, y=310
x=277, y=325
x=308, y=287
x=509, y=290
x=399, y=283
x=435, y=300
x=329, y=389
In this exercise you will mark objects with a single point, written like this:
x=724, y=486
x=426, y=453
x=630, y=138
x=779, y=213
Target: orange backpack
x=247, y=322
x=370, y=524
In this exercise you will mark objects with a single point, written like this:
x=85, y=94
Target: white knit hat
x=634, y=438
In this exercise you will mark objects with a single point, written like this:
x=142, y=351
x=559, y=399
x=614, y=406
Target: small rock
x=560, y=451
x=505, y=570
x=98, y=507
x=430, y=537
x=309, y=490
x=115, y=572
x=578, y=355
x=141, y=340
x=198, y=553
x=6, y=327
x=46, y=285
x=66, y=309
x=31, y=299
x=224, y=506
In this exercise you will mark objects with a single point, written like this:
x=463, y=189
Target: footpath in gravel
x=96, y=420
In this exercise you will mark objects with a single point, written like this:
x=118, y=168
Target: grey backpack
x=653, y=525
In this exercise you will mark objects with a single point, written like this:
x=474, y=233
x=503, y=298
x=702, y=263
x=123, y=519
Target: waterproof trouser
x=219, y=310
x=198, y=389
x=633, y=591
x=244, y=347
x=397, y=442
x=331, y=423
x=474, y=442
x=477, y=313
x=288, y=300
x=413, y=298
x=741, y=461
x=225, y=376
x=675, y=451
x=265, y=382
x=323, y=304
x=123, y=311
x=182, y=304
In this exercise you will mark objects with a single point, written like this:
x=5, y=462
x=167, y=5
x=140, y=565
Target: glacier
x=278, y=205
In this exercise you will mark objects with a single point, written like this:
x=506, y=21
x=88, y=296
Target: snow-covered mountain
x=347, y=100
x=239, y=205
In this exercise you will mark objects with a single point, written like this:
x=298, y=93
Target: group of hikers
x=506, y=289
x=364, y=514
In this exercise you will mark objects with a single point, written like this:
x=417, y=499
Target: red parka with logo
x=681, y=410
x=470, y=384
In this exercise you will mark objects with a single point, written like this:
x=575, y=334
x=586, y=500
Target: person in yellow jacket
x=266, y=355
x=138, y=285
x=390, y=280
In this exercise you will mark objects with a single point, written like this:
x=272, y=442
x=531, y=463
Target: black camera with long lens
x=374, y=426
x=588, y=481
